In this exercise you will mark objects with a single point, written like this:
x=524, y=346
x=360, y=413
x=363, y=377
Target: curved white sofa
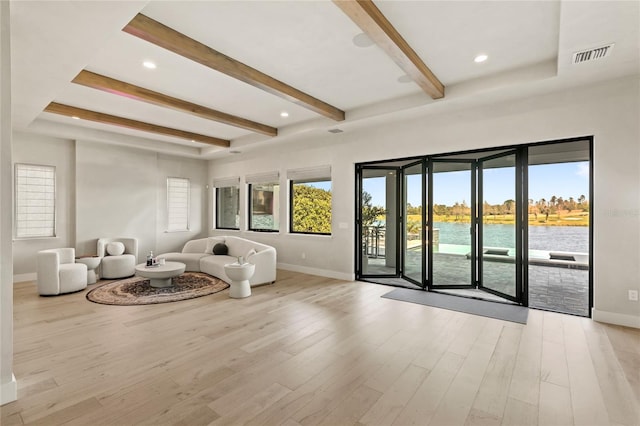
x=198, y=257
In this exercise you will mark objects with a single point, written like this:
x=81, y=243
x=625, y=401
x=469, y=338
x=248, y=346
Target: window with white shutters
x=35, y=201
x=177, y=204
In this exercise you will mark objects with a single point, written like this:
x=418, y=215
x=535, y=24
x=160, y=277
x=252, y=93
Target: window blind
x=226, y=182
x=35, y=201
x=310, y=174
x=270, y=177
x=177, y=204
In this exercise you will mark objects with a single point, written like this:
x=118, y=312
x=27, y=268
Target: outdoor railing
x=374, y=237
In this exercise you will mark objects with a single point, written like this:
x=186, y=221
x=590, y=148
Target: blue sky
x=562, y=180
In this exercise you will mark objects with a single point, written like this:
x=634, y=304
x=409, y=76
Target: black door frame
x=401, y=233
x=518, y=224
x=473, y=270
x=359, y=234
x=522, y=175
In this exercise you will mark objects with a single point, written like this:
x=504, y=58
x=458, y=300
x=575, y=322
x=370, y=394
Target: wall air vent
x=592, y=54
x=335, y=131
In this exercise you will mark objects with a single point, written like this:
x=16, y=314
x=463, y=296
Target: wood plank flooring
x=313, y=351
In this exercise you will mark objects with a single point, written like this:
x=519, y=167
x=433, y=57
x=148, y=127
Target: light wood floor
x=308, y=351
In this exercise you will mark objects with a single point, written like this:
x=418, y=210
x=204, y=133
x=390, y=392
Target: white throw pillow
x=115, y=248
x=212, y=241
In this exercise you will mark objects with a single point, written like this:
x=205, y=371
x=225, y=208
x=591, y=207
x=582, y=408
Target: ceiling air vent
x=335, y=131
x=592, y=54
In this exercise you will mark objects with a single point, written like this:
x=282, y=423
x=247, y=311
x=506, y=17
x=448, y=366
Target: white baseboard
x=315, y=271
x=615, y=318
x=31, y=276
x=9, y=391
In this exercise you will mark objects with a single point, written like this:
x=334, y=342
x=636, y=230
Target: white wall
x=60, y=153
x=108, y=191
x=608, y=111
x=122, y=192
x=196, y=172
x=8, y=385
x=116, y=195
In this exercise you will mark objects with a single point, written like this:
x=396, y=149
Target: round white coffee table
x=92, y=263
x=160, y=275
x=240, y=276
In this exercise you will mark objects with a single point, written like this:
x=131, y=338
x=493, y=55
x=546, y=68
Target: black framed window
x=264, y=207
x=228, y=207
x=310, y=206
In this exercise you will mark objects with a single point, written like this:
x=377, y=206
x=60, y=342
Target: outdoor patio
x=553, y=288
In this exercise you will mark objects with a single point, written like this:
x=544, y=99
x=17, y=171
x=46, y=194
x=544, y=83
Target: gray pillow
x=220, y=248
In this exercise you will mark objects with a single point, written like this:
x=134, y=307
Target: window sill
x=35, y=238
x=301, y=235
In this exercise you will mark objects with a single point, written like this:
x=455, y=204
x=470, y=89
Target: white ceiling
x=307, y=45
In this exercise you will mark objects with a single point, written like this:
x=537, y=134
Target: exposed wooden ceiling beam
x=110, y=85
x=99, y=117
x=154, y=32
x=375, y=25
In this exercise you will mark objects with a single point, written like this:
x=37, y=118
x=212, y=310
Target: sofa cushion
x=220, y=249
x=240, y=246
x=211, y=242
x=115, y=248
x=214, y=265
x=190, y=260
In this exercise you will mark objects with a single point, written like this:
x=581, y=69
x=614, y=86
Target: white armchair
x=118, y=257
x=58, y=273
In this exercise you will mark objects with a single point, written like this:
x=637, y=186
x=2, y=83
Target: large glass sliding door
x=475, y=216
x=499, y=222
x=452, y=237
x=378, y=222
x=391, y=221
x=414, y=230
x=458, y=223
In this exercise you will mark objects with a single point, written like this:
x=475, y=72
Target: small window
x=310, y=200
x=177, y=204
x=264, y=207
x=227, y=203
x=35, y=201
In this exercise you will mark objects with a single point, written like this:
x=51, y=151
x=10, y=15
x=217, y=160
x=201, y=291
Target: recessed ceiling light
x=404, y=79
x=362, y=40
x=149, y=64
x=480, y=58
x=75, y=117
x=284, y=114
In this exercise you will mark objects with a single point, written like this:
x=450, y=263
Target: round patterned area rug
x=137, y=291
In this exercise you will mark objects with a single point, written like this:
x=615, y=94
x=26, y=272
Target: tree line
x=543, y=206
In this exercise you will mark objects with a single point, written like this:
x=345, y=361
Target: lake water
x=549, y=238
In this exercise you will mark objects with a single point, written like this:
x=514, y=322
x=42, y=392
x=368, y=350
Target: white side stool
x=92, y=263
x=240, y=276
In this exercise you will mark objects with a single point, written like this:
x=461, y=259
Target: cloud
x=583, y=170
